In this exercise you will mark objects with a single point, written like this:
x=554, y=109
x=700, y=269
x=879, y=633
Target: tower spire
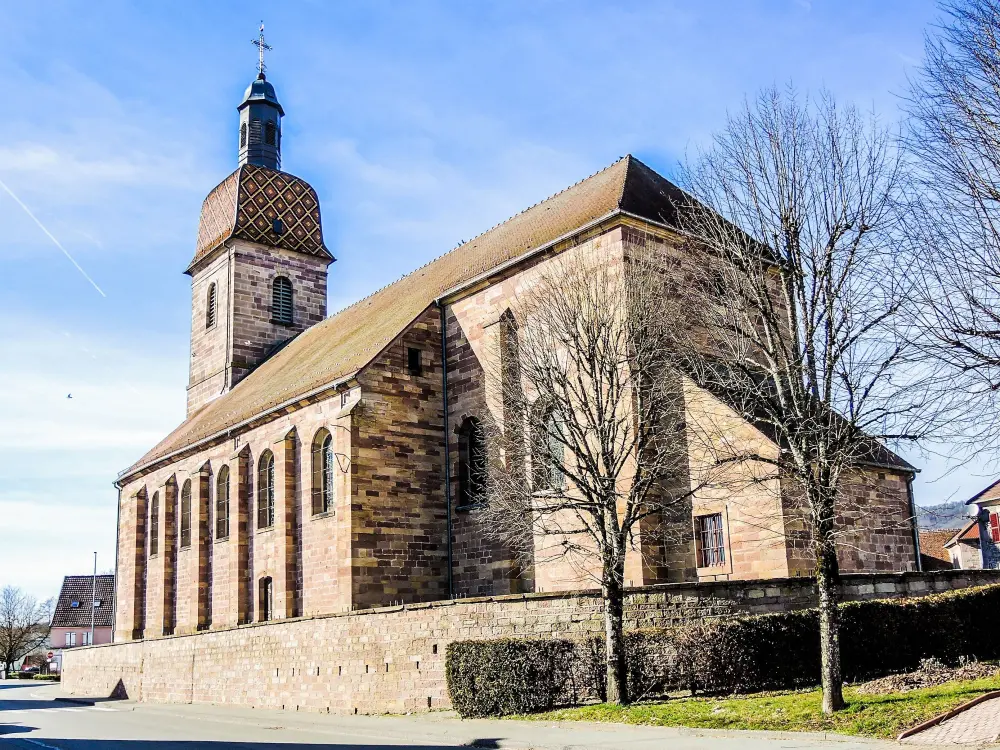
x=261, y=46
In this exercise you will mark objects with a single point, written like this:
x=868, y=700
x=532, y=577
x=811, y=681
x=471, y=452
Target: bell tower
x=258, y=276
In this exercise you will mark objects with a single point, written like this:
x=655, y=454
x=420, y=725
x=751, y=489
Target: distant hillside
x=944, y=516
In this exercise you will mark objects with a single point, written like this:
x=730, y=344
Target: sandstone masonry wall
x=392, y=659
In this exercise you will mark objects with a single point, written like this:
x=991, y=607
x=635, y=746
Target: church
x=320, y=465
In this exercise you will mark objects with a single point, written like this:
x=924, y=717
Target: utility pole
x=93, y=600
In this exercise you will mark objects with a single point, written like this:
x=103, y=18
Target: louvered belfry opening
x=281, y=301
x=210, y=306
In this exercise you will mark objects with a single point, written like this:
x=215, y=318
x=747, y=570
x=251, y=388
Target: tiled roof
x=968, y=533
x=932, y=552
x=246, y=204
x=344, y=343
x=988, y=495
x=80, y=589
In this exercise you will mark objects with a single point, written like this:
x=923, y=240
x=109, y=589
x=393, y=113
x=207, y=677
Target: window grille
x=324, y=477
x=269, y=133
x=265, y=491
x=154, y=524
x=222, y=504
x=186, y=514
x=548, y=453
x=327, y=478
x=243, y=135
x=281, y=300
x=711, y=543
x=210, y=306
x=471, y=461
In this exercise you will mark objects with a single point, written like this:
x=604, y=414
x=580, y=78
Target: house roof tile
x=81, y=589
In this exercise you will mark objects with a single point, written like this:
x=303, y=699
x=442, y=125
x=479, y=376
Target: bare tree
x=954, y=132
x=801, y=315
x=583, y=453
x=24, y=625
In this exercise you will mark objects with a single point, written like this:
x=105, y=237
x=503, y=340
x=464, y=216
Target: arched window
x=154, y=525
x=254, y=132
x=323, y=472
x=265, y=490
x=269, y=132
x=471, y=461
x=186, y=514
x=222, y=504
x=265, y=599
x=243, y=135
x=547, y=451
x=281, y=300
x=210, y=306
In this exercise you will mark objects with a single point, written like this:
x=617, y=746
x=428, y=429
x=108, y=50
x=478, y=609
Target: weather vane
x=261, y=46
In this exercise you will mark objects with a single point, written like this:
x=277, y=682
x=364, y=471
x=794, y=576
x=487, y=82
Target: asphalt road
x=37, y=716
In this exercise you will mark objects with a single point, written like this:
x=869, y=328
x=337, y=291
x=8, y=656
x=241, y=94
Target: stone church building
x=322, y=466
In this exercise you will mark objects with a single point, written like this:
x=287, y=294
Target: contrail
x=52, y=237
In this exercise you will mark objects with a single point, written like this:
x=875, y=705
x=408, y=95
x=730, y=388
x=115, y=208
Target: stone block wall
x=392, y=659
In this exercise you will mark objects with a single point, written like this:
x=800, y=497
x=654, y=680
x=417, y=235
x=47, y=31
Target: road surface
x=37, y=716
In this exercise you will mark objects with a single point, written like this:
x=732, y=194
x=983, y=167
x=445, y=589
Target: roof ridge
x=487, y=231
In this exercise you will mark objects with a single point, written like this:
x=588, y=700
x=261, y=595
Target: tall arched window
x=265, y=490
x=222, y=504
x=254, y=131
x=210, y=305
x=186, y=514
x=154, y=524
x=471, y=461
x=323, y=472
x=269, y=133
x=547, y=451
x=281, y=300
x=243, y=135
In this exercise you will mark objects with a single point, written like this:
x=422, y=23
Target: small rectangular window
x=74, y=604
x=413, y=361
x=69, y=639
x=711, y=544
x=72, y=639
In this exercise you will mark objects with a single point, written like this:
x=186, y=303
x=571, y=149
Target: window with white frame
x=711, y=541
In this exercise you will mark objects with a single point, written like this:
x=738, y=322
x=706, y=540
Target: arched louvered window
x=255, y=127
x=210, y=306
x=269, y=133
x=222, y=504
x=186, y=514
x=265, y=490
x=281, y=300
x=323, y=472
x=471, y=461
x=154, y=525
x=243, y=135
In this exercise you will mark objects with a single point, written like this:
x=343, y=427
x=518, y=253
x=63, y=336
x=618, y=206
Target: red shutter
x=994, y=527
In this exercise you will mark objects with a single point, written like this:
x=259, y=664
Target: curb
x=948, y=714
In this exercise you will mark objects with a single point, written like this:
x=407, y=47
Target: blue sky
x=420, y=124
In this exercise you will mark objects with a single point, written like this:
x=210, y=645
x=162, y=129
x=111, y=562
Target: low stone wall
x=392, y=659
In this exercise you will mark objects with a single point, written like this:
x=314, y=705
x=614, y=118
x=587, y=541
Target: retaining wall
x=391, y=659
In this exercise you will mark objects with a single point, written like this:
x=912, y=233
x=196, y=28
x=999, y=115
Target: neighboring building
x=82, y=604
x=933, y=555
x=985, y=506
x=964, y=547
x=309, y=476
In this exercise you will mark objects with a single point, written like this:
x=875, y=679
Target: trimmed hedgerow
x=734, y=655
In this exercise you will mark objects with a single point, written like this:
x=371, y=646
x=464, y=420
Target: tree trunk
x=614, y=637
x=828, y=588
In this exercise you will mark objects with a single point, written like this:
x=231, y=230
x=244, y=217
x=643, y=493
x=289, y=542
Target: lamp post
x=93, y=600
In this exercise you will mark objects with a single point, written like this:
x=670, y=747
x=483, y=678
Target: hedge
x=47, y=677
x=741, y=654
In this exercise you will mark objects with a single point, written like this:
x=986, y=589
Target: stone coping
x=848, y=580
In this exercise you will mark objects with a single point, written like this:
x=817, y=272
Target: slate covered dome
x=260, y=90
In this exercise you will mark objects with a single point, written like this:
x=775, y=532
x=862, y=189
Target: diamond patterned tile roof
x=347, y=341
x=245, y=206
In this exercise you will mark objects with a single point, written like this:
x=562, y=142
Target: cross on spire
x=261, y=46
